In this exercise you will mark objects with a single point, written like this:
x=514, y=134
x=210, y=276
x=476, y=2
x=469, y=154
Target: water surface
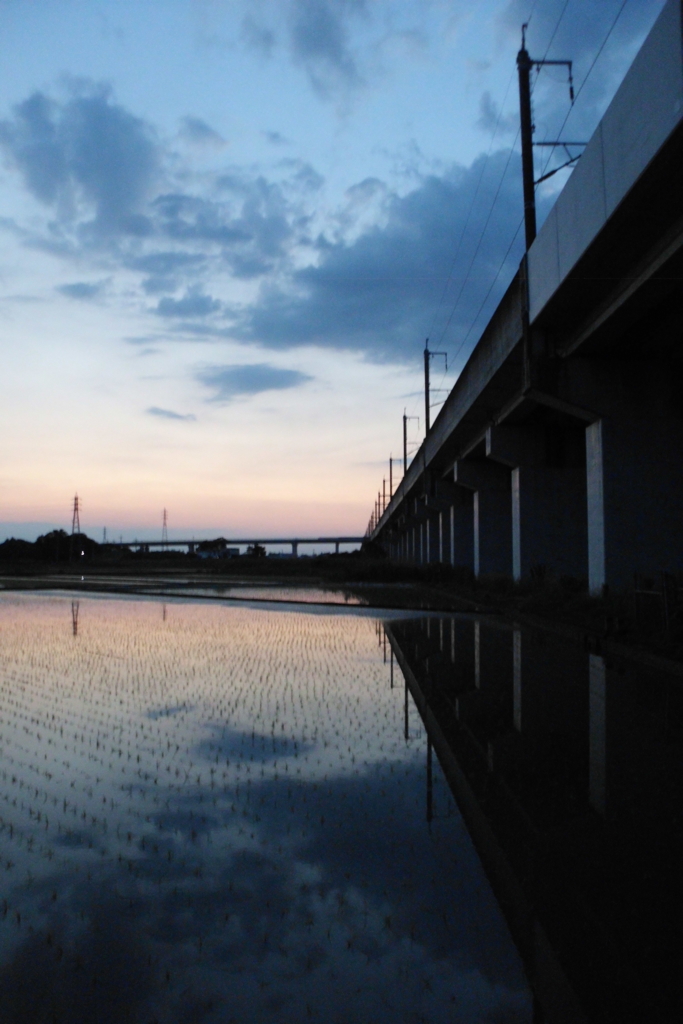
x=214, y=814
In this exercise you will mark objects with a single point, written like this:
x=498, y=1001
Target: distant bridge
x=192, y=545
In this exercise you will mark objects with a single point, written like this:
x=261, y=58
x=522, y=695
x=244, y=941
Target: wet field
x=212, y=813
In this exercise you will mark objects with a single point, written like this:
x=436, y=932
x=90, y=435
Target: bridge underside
x=560, y=447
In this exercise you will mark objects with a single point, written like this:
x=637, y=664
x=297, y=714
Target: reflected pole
x=405, y=716
x=430, y=797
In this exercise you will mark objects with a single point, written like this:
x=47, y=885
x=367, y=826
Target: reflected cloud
x=245, y=848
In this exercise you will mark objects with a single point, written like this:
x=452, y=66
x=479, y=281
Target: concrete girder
x=548, y=496
x=490, y=485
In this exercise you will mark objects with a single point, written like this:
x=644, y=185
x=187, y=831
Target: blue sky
x=226, y=229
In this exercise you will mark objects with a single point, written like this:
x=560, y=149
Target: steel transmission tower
x=75, y=518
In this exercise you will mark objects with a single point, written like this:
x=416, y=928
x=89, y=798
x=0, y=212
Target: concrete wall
x=645, y=110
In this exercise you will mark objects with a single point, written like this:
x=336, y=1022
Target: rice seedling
x=221, y=801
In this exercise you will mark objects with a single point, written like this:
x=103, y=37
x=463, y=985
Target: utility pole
x=524, y=65
x=384, y=494
x=427, y=357
x=405, y=438
x=104, y=535
x=164, y=530
x=391, y=477
x=405, y=443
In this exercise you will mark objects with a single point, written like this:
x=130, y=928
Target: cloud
x=88, y=157
x=492, y=121
x=257, y=36
x=169, y=414
x=379, y=293
x=304, y=175
x=198, y=132
x=193, y=303
x=276, y=139
x=82, y=289
x=164, y=262
x=228, y=382
x=100, y=172
x=164, y=268
x=316, y=33
x=157, y=284
x=319, y=41
x=251, y=224
x=190, y=218
x=365, y=190
x=374, y=276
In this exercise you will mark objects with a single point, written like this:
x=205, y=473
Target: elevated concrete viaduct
x=561, y=443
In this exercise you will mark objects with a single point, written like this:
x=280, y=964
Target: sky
x=228, y=226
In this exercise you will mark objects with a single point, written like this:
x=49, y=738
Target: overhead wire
x=488, y=218
x=557, y=25
x=471, y=206
x=470, y=210
x=491, y=287
x=502, y=264
x=587, y=76
x=487, y=221
x=474, y=321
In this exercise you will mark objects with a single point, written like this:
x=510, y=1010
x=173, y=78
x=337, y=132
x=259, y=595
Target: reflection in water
x=261, y=592
x=74, y=617
x=569, y=771
x=217, y=818
x=430, y=792
x=597, y=752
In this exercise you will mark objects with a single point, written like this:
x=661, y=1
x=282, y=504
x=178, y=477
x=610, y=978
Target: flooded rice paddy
x=214, y=814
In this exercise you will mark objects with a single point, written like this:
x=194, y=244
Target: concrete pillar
x=634, y=454
x=432, y=537
x=462, y=529
x=548, y=495
x=492, y=517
